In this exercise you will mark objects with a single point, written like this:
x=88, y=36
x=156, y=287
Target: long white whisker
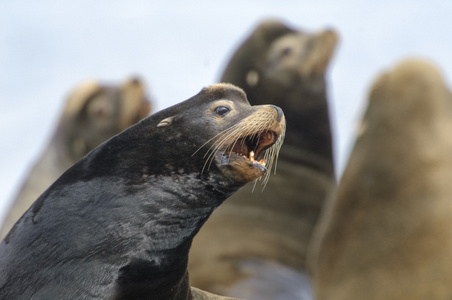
x=244, y=131
x=222, y=132
x=215, y=145
x=228, y=134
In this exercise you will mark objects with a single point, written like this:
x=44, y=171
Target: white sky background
x=48, y=47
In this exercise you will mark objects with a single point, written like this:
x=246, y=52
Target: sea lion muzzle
x=247, y=150
x=251, y=147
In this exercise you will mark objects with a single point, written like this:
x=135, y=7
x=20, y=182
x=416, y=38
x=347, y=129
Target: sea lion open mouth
x=247, y=150
x=251, y=147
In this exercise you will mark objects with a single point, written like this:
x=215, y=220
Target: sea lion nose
x=279, y=112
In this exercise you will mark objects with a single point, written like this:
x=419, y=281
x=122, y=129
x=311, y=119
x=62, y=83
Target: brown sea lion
x=119, y=223
x=264, y=234
x=92, y=114
x=387, y=235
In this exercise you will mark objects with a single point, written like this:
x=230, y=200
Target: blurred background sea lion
x=254, y=246
x=93, y=113
x=388, y=232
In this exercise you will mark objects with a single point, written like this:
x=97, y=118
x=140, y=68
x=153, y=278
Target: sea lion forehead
x=270, y=30
x=223, y=91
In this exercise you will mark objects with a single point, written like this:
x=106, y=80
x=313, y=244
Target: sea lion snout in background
x=265, y=233
x=92, y=114
x=119, y=223
x=288, y=66
x=387, y=234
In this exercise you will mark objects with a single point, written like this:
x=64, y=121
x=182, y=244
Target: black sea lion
x=120, y=222
x=264, y=234
x=388, y=233
x=93, y=113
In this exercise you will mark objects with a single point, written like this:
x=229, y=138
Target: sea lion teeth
x=259, y=162
x=259, y=144
x=252, y=158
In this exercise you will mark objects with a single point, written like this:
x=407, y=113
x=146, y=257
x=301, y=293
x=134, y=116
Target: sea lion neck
x=156, y=215
x=166, y=228
x=309, y=121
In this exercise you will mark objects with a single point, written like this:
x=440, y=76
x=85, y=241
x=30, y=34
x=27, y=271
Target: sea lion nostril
x=279, y=111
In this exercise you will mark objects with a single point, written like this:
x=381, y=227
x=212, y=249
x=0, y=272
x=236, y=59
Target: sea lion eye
x=286, y=51
x=222, y=110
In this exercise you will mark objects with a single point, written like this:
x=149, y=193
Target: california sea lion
x=92, y=114
x=388, y=232
x=264, y=234
x=120, y=222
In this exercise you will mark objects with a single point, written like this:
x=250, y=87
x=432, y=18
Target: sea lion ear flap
x=166, y=121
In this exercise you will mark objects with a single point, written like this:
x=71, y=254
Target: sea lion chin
x=119, y=224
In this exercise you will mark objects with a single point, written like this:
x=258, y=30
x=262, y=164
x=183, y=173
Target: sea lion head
x=298, y=56
x=282, y=56
x=287, y=66
x=94, y=112
x=219, y=129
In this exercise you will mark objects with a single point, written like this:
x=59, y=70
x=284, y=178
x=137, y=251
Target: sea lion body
x=120, y=222
x=387, y=234
x=93, y=113
x=267, y=230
